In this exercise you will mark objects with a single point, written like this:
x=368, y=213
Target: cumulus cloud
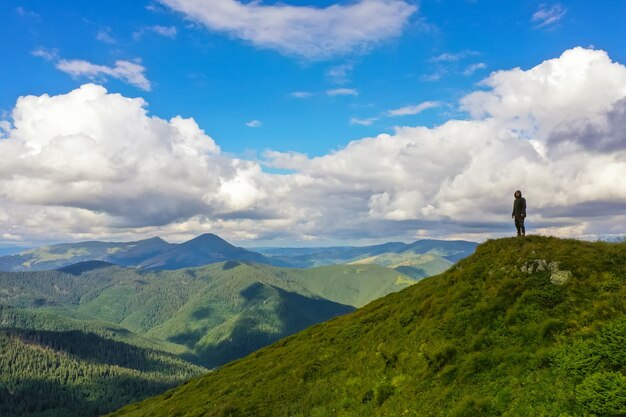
x=127, y=71
x=305, y=31
x=90, y=164
x=89, y=159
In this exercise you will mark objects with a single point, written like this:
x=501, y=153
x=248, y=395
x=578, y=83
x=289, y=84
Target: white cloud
x=127, y=71
x=254, y=123
x=130, y=72
x=579, y=84
x=89, y=164
x=105, y=36
x=453, y=57
x=435, y=76
x=410, y=110
x=166, y=31
x=471, y=69
x=306, y=31
x=547, y=15
x=343, y=92
x=339, y=74
x=27, y=13
x=90, y=161
x=301, y=94
x=363, y=122
x=47, y=54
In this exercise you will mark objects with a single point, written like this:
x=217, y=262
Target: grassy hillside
x=524, y=327
x=415, y=265
x=355, y=285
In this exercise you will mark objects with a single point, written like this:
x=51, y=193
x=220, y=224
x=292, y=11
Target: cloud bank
x=90, y=164
x=309, y=32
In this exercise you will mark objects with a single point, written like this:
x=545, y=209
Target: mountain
x=217, y=313
x=202, y=250
x=64, y=254
x=90, y=337
x=437, y=252
x=524, y=327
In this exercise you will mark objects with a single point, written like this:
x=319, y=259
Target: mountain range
x=524, y=327
x=162, y=327
x=130, y=320
x=154, y=253
x=418, y=259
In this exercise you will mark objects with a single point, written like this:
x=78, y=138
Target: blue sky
x=224, y=82
x=307, y=88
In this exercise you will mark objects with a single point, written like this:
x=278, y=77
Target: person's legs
x=522, y=227
x=518, y=226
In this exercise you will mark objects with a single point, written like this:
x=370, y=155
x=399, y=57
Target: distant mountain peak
x=209, y=237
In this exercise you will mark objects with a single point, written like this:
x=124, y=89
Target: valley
x=94, y=335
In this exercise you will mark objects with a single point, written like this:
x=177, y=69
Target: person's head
x=517, y=194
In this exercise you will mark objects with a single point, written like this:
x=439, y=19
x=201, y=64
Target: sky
x=310, y=122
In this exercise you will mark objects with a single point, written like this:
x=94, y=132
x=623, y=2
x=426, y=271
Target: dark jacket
x=519, y=207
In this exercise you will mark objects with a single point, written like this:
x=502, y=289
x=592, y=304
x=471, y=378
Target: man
x=519, y=213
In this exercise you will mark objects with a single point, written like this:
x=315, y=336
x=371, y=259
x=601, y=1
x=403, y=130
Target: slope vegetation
x=524, y=327
x=217, y=313
x=91, y=337
x=55, y=366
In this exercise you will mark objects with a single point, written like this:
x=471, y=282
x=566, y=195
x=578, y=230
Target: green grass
x=482, y=339
x=415, y=265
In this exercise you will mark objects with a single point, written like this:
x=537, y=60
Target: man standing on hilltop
x=519, y=213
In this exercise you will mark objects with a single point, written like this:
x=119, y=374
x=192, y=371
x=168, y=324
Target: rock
x=553, y=266
x=542, y=264
x=560, y=277
x=524, y=269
